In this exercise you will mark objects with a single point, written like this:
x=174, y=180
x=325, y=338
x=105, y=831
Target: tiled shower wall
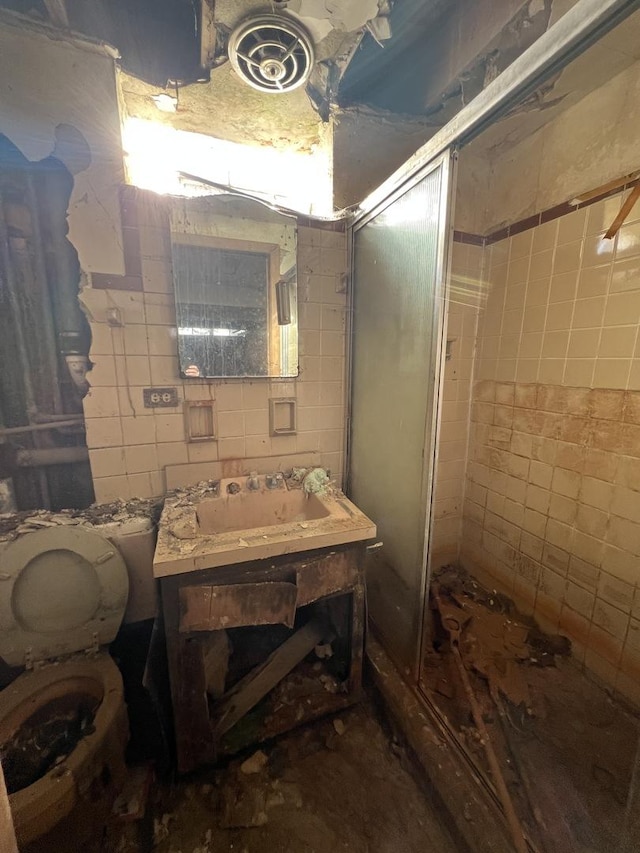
x=465, y=292
x=136, y=451
x=552, y=502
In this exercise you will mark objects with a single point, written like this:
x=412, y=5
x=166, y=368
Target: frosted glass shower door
x=397, y=303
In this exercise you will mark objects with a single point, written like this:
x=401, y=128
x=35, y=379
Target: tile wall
x=135, y=451
x=465, y=294
x=552, y=500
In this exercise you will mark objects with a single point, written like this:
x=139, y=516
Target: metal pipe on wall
x=51, y=456
x=14, y=304
x=47, y=312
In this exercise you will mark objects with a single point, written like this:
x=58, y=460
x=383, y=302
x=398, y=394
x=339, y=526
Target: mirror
x=234, y=275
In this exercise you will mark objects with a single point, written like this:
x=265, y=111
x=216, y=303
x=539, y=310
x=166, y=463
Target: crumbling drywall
x=47, y=80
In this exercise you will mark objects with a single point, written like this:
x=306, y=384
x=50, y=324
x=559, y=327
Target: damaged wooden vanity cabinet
x=264, y=611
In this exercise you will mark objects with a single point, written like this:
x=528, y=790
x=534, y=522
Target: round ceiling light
x=271, y=53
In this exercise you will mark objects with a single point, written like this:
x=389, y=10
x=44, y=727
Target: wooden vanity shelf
x=241, y=643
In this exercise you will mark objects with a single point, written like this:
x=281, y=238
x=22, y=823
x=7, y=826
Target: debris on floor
x=301, y=796
x=562, y=741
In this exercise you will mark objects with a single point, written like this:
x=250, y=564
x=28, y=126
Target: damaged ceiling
x=385, y=75
x=612, y=54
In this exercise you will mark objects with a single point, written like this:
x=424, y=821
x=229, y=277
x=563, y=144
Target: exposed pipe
x=23, y=356
x=51, y=456
x=47, y=312
x=7, y=491
x=39, y=427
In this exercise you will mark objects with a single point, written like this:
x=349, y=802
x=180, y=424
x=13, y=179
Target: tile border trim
x=529, y=222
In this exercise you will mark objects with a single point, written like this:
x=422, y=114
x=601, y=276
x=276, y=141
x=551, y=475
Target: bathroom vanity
x=263, y=600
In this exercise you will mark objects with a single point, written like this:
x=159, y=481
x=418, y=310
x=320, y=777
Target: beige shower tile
x=551, y=371
x=544, y=236
x=611, y=373
x=622, y=309
x=538, y=292
x=628, y=242
x=596, y=250
x=572, y=226
x=521, y=245
x=579, y=372
x=559, y=316
x=541, y=265
x=534, y=318
x=527, y=369
x=618, y=342
x=588, y=313
x=563, y=287
x=554, y=344
x=594, y=281
x=583, y=343
x=601, y=214
x=567, y=257
x=625, y=275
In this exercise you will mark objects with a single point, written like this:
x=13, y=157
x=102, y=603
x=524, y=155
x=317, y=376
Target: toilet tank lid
x=62, y=590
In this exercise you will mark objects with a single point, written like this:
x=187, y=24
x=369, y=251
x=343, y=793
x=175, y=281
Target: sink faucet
x=253, y=482
x=274, y=481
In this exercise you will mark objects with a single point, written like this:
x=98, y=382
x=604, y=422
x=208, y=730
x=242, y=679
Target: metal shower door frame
x=447, y=162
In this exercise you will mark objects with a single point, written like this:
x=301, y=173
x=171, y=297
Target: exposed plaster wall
x=472, y=192
x=368, y=146
x=46, y=82
x=593, y=142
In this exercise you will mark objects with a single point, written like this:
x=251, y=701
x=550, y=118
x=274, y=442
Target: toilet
x=63, y=722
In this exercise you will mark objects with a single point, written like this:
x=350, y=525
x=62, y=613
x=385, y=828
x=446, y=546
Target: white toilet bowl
x=63, y=592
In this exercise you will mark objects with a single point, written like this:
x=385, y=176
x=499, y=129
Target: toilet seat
x=62, y=590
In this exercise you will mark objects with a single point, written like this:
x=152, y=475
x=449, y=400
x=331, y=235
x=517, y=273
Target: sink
x=264, y=508
x=206, y=526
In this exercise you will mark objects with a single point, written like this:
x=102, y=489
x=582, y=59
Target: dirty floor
x=566, y=746
x=342, y=784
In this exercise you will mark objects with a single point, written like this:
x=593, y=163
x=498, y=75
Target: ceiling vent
x=271, y=53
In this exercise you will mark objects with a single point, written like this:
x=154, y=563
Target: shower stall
x=495, y=385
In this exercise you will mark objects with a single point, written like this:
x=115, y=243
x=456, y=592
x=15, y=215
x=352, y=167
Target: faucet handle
x=274, y=481
x=253, y=482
